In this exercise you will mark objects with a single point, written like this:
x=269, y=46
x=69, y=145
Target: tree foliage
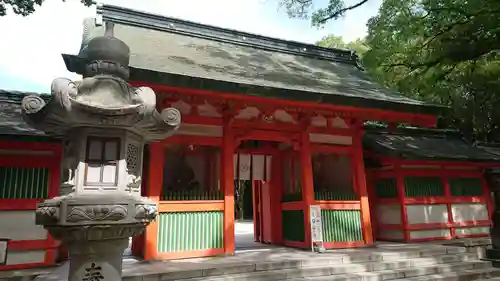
x=26, y=7
x=332, y=41
x=333, y=9
x=439, y=51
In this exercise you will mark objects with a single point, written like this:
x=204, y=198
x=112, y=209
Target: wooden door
x=265, y=207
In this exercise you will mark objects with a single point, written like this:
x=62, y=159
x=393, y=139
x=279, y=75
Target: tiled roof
x=186, y=54
x=11, y=121
x=426, y=144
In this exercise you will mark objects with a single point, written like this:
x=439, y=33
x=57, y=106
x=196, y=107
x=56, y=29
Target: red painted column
x=227, y=180
x=360, y=180
x=372, y=198
x=447, y=194
x=400, y=184
x=276, y=195
x=155, y=186
x=307, y=182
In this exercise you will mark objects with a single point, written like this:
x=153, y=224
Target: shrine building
x=427, y=184
x=269, y=128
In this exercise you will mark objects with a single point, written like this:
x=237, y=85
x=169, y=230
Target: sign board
x=316, y=224
x=4, y=245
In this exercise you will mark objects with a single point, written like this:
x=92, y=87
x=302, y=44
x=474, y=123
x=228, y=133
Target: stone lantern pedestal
x=104, y=124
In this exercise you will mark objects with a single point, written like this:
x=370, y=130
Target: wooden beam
x=301, y=106
x=191, y=206
x=327, y=148
x=266, y=136
x=195, y=140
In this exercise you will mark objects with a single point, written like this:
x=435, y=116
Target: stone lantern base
x=96, y=229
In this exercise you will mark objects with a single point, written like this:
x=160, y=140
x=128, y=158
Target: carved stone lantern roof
x=103, y=98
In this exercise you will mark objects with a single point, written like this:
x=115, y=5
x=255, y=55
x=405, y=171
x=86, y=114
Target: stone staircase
x=418, y=264
x=386, y=261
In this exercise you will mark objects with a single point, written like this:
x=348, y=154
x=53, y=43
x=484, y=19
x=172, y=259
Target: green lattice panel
x=466, y=187
x=293, y=225
x=24, y=183
x=342, y=226
x=336, y=195
x=180, y=195
x=386, y=188
x=190, y=231
x=423, y=186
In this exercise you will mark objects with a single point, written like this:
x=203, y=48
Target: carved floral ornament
x=47, y=215
x=97, y=213
x=80, y=233
x=173, y=98
x=146, y=211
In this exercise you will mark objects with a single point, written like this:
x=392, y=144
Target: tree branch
x=340, y=12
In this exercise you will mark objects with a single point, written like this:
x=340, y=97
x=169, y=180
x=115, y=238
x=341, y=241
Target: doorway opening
x=253, y=194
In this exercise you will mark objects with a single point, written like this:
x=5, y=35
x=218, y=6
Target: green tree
x=332, y=41
x=26, y=7
x=440, y=51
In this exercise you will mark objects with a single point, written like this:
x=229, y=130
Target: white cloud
x=31, y=46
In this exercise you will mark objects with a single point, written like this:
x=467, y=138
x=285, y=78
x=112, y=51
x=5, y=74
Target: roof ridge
x=15, y=96
x=20, y=92
x=434, y=132
x=158, y=22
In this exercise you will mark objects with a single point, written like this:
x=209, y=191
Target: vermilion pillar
x=360, y=177
x=155, y=185
x=307, y=181
x=277, y=191
x=400, y=185
x=227, y=180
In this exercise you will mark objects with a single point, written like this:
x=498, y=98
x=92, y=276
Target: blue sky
x=30, y=53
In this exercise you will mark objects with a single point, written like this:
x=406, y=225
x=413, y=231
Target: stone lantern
x=104, y=124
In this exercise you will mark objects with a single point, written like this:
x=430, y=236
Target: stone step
x=345, y=272
x=460, y=275
x=337, y=263
x=340, y=263
x=418, y=272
